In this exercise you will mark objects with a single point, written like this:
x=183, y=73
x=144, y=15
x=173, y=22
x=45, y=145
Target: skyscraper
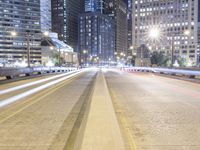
x=96, y=37
x=198, y=36
x=17, y=18
x=130, y=43
x=65, y=20
x=167, y=26
x=94, y=5
x=45, y=11
x=117, y=9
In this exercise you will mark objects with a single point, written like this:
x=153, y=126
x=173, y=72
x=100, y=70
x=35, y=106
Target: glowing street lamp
x=13, y=33
x=46, y=33
x=84, y=51
x=154, y=33
x=85, y=55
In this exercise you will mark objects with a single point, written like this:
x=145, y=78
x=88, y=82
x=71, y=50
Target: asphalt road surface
x=46, y=119
x=156, y=113
x=83, y=110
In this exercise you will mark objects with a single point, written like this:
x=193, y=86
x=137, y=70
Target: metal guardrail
x=10, y=73
x=190, y=73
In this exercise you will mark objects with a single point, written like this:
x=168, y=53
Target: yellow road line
x=46, y=94
x=124, y=123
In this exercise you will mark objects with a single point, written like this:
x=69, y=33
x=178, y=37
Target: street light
x=28, y=36
x=13, y=33
x=154, y=33
x=85, y=53
x=46, y=33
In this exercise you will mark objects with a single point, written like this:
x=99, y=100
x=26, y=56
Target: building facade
x=96, y=37
x=94, y=5
x=130, y=41
x=17, y=18
x=172, y=19
x=45, y=11
x=198, y=36
x=65, y=20
x=117, y=9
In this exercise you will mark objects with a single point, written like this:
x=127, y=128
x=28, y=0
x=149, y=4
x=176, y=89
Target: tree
x=182, y=62
x=159, y=59
x=57, y=59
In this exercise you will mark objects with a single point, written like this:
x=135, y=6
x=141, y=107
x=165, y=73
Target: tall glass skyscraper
x=93, y=5
x=45, y=11
x=96, y=37
x=65, y=20
x=17, y=17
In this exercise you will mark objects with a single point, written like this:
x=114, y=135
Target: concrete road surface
x=156, y=113
x=113, y=110
x=45, y=119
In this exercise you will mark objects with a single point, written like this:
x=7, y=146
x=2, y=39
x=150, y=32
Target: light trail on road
x=5, y=91
x=47, y=119
x=141, y=111
x=35, y=90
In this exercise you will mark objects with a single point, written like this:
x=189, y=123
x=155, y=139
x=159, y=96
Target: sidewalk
x=102, y=130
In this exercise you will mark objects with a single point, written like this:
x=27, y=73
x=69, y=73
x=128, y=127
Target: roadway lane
x=154, y=112
x=13, y=88
x=48, y=119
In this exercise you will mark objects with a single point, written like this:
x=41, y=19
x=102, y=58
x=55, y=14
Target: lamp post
x=85, y=59
x=172, y=52
x=154, y=34
x=28, y=36
x=59, y=56
x=28, y=48
x=13, y=33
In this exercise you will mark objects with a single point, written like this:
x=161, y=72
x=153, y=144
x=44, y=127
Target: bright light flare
x=154, y=33
x=46, y=33
x=187, y=32
x=13, y=33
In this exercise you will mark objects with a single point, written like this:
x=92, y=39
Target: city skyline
x=177, y=23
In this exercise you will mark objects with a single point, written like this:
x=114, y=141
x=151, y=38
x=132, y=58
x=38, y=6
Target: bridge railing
x=170, y=71
x=10, y=73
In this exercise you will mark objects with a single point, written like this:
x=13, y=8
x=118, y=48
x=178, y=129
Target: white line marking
x=33, y=83
x=35, y=90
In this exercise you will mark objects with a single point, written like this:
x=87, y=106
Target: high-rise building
x=130, y=42
x=96, y=37
x=198, y=36
x=65, y=20
x=94, y=5
x=117, y=9
x=167, y=26
x=17, y=18
x=45, y=11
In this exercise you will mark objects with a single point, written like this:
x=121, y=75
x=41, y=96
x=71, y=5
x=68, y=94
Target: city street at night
x=99, y=75
x=100, y=109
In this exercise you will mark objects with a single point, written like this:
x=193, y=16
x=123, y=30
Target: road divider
x=102, y=130
x=18, y=97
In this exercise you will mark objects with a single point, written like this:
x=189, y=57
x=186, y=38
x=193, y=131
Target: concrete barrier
x=10, y=73
x=170, y=71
